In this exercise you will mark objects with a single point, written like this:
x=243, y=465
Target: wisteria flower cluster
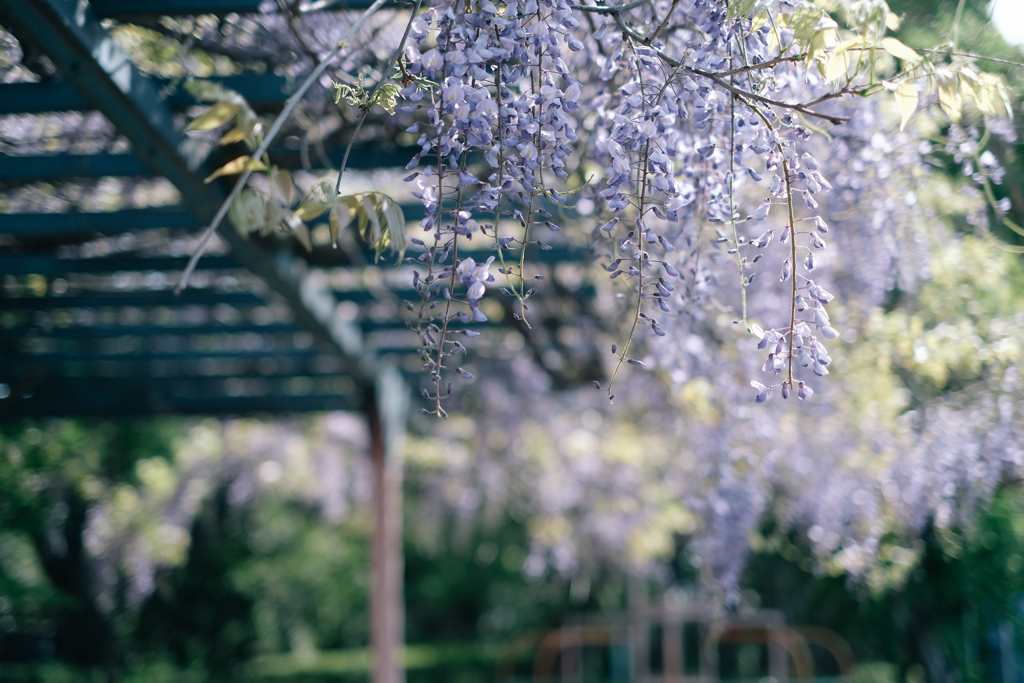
x=681, y=115
x=498, y=88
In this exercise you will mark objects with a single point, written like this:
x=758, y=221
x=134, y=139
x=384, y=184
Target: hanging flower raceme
x=694, y=115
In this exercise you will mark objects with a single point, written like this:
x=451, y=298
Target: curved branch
x=763, y=65
x=609, y=10
x=721, y=82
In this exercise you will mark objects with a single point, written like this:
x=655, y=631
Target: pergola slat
x=166, y=298
x=110, y=332
x=206, y=383
x=52, y=167
x=101, y=222
x=66, y=166
x=134, y=358
x=34, y=264
x=83, y=332
x=107, y=397
x=261, y=91
x=134, y=299
x=323, y=257
x=133, y=9
x=84, y=225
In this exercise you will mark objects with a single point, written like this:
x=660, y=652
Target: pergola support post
x=387, y=412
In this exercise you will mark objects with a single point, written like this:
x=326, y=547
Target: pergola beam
x=69, y=33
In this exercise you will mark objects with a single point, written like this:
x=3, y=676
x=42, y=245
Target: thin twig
x=386, y=76
x=292, y=102
x=348, y=149
x=290, y=20
x=661, y=27
x=969, y=55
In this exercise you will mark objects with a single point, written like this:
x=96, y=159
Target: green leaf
x=375, y=235
x=380, y=221
x=320, y=198
x=239, y=165
x=245, y=117
x=906, y=100
x=354, y=95
x=340, y=216
x=283, y=186
x=775, y=33
x=836, y=66
x=211, y=91
x=992, y=92
x=838, y=60
x=817, y=46
x=758, y=21
x=394, y=218
x=248, y=213
x=215, y=117
x=236, y=134
x=741, y=8
x=276, y=217
x=949, y=97
x=807, y=20
x=387, y=97
x=899, y=50
x=301, y=232
x=869, y=18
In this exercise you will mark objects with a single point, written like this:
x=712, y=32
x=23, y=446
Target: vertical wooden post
x=386, y=411
x=672, y=650
x=640, y=622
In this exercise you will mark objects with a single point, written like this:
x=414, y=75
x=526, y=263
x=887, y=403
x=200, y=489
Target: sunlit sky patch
x=1008, y=18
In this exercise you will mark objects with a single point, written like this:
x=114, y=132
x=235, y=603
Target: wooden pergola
x=89, y=325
